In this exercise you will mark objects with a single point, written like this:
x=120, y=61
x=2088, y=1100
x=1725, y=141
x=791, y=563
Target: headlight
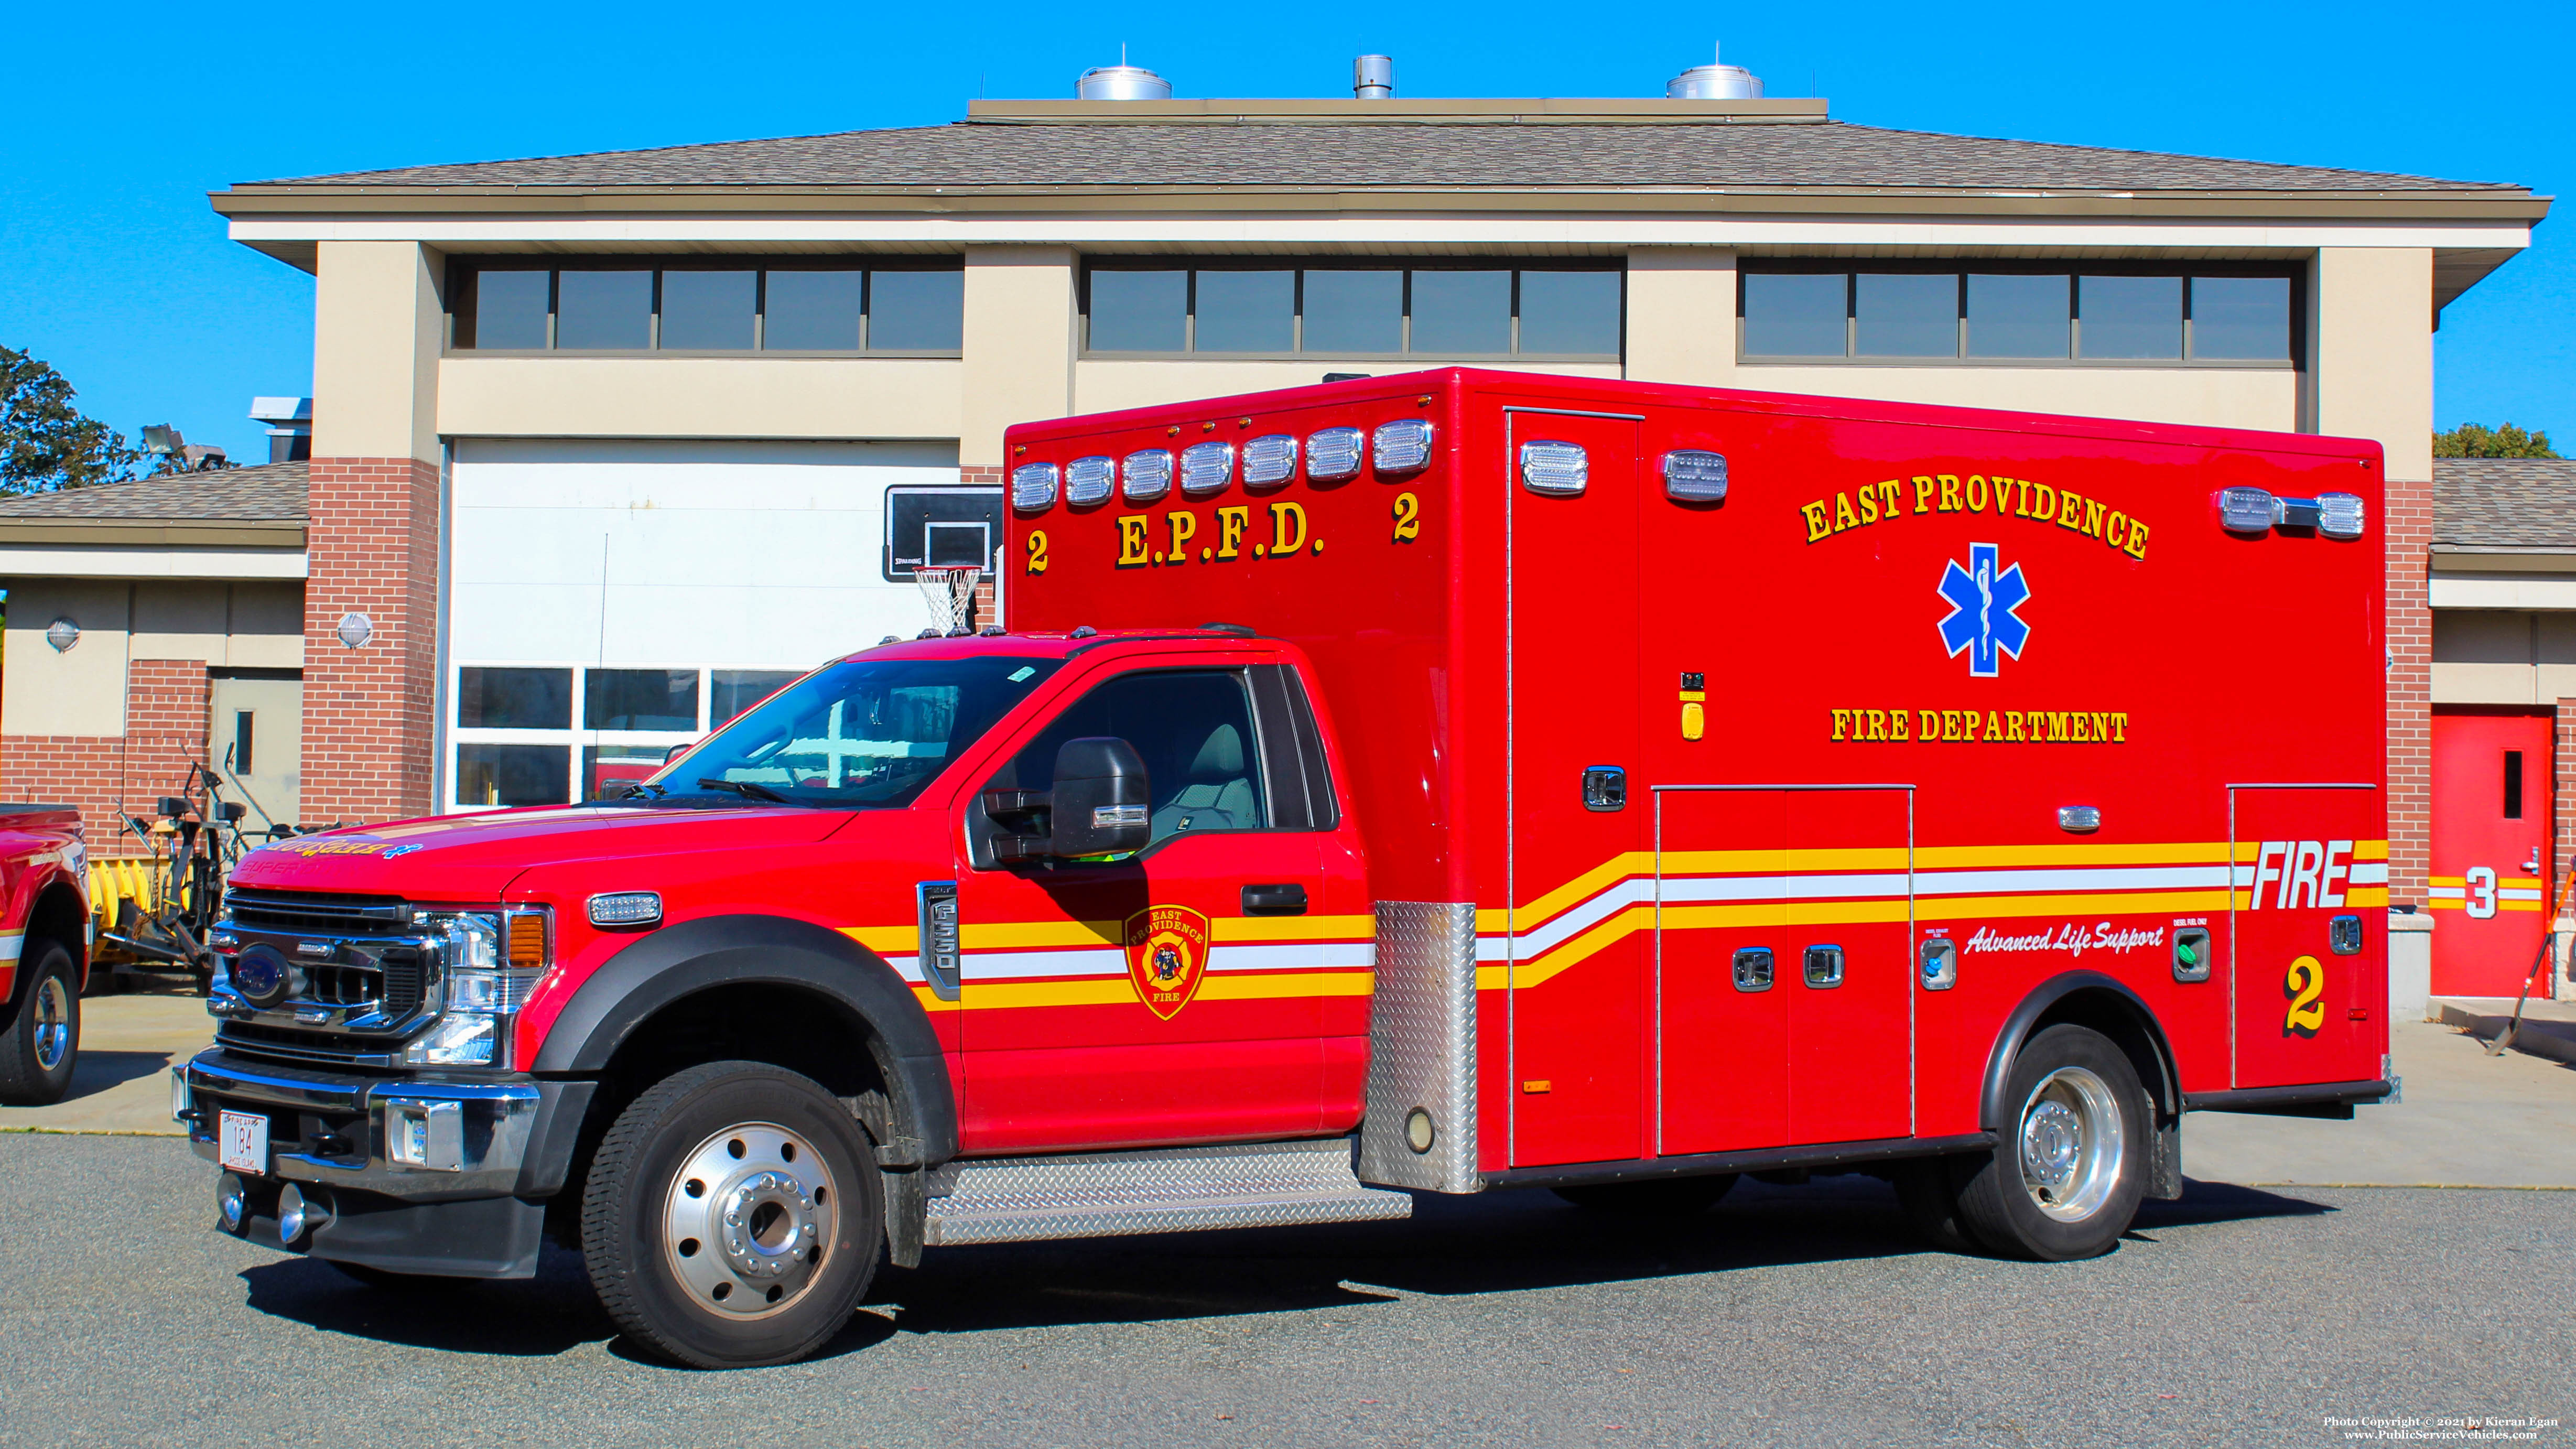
x=493, y=964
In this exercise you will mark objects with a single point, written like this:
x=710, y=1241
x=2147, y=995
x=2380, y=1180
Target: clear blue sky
x=113, y=268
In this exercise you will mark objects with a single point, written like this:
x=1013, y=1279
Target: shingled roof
x=2504, y=504
x=1401, y=156
x=268, y=493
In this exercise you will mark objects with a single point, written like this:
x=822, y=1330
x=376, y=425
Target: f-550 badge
x=1982, y=598
x=1167, y=951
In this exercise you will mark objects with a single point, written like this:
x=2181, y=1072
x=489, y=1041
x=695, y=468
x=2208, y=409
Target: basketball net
x=949, y=589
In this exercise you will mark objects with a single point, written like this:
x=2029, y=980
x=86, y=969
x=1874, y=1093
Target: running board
x=1170, y=1190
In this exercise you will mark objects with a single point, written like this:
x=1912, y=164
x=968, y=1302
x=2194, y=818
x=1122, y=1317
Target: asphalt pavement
x=1788, y=1316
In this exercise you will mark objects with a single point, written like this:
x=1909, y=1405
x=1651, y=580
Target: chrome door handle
x=2532, y=867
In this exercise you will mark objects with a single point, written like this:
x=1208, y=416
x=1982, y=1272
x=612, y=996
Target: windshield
x=856, y=734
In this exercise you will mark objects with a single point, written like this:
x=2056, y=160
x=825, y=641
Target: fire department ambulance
x=1440, y=782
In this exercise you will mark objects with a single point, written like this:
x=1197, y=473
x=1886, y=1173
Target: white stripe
x=11, y=944
x=2515, y=895
x=2447, y=893
x=2361, y=874
x=1303, y=955
x=1023, y=965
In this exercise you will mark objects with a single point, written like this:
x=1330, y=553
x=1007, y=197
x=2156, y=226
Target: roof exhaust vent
x=1373, y=78
x=1122, y=82
x=1714, y=82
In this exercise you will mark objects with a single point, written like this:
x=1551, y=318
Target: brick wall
x=2409, y=513
x=368, y=711
x=109, y=776
x=988, y=603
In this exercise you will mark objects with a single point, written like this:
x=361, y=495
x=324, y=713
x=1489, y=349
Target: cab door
x=1142, y=1001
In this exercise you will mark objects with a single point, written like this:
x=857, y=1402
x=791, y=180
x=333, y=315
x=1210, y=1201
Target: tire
x=1660, y=1197
x=733, y=1217
x=41, y=1043
x=1928, y=1189
x=2066, y=1180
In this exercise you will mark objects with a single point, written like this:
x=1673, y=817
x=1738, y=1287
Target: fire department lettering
x=1227, y=535
x=1167, y=951
x=1998, y=497
x=2295, y=874
x=1980, y=727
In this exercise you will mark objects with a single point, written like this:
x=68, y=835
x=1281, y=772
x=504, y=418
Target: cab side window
x=1194, y=729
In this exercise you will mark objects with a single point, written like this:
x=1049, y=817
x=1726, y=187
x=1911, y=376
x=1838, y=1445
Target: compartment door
x=1579, y=913
x=2310, y=995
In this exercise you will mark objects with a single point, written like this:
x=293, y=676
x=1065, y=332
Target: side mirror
x=1101, y=805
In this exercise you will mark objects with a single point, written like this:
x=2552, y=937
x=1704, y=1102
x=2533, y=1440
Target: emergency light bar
x=1401, y=446
x=1089, y=480
x=1269, y=460
x=1692, y=476
x=1556, y=470
x=2252, y=510
x=1033, y=487
x=1149, y=474
x=1333, y=454
x=1206, y=468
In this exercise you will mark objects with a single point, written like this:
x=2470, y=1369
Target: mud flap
x=2164, y=1164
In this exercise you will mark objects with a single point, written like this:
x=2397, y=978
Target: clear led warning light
x=1401, y=446
x=1334, y=454
x=1149, y=474
x=1206, y=468
x=1693, y=476
x=1088, y=480
x=2339, y=515
x=1558, y=470
x=2246, y=510
x=1269, y=461
x=1033, y=487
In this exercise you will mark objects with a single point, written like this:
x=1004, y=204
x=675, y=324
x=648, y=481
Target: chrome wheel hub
x=53, y=1024
x=750, y=1219
x=2072, y=1144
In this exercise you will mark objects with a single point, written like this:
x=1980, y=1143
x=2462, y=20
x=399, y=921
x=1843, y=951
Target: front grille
x=286, y=1043
x=403, y=970
x=305, y=911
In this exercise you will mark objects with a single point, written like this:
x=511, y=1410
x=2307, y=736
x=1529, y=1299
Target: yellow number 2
x=2306, y=983
x=1408, y=518
x=1037, y=551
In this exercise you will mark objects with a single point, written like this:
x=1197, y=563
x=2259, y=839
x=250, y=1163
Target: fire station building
x=603, y=446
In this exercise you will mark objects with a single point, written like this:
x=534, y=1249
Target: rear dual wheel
x=2067, y=1180
x=732, y=1216
x=40, y=1042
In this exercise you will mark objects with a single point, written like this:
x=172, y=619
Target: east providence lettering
x=1974, y=493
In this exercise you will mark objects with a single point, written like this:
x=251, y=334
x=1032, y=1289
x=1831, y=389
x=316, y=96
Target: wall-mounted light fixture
x=356, y=629
x=62, y=634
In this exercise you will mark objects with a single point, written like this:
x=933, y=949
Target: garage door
x=609, y=600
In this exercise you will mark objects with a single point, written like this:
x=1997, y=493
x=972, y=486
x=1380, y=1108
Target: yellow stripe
x=2457, y=880
x=2533, y=906
x=1295, y=928
x=1287, y=985
x=886, y=940
x=2370, y=850
x=1040, y=935
x=2442, y=905
x=2182, y=853
x=1120, y=990
x=2366, y=896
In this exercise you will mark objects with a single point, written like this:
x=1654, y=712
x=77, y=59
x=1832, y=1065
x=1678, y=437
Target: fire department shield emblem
x=1167, y=951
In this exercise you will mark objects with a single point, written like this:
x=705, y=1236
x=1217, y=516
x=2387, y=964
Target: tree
x=45, y=443
x=2474, y=440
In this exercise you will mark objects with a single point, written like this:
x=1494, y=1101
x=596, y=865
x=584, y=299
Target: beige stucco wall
x=699, y=397
x=1681, y=316
x=1102, y=386
x=1018, y=346
x=377, y=330
x=2374, y=352
x=2211, y=397
x=81, y=691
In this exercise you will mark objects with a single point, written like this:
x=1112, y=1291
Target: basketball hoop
x=949, y=589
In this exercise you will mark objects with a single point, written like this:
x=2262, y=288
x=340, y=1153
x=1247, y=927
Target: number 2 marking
x=1037, y=551
x=1408, y=518
x=2306, y=983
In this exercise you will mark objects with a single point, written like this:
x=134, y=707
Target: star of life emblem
x=1982, y=598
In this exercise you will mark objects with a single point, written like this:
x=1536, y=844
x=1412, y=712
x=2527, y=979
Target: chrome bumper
x=424, y=1140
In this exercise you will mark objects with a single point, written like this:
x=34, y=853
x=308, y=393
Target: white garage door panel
x=745, y=554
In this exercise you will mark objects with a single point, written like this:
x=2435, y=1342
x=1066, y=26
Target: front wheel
x=732, y=1216
x=41, y=1042
x=2066, y=1180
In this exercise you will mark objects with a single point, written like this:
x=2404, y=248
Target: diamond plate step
x=1171, y=1190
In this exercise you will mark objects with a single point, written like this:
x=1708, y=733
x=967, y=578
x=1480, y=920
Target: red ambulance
x=1440, y=782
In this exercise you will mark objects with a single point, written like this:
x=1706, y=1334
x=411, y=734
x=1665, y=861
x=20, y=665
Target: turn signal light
x=527, y=941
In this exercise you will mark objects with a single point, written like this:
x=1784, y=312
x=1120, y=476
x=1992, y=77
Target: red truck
x=1442, y=782
x=44, y=950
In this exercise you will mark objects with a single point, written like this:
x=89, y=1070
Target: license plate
x=242, y=1142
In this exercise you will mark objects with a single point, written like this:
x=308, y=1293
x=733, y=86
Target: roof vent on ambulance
x=1714, y=82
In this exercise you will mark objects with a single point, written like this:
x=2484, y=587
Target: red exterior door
x=1579, y=931
x=2490, y=871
